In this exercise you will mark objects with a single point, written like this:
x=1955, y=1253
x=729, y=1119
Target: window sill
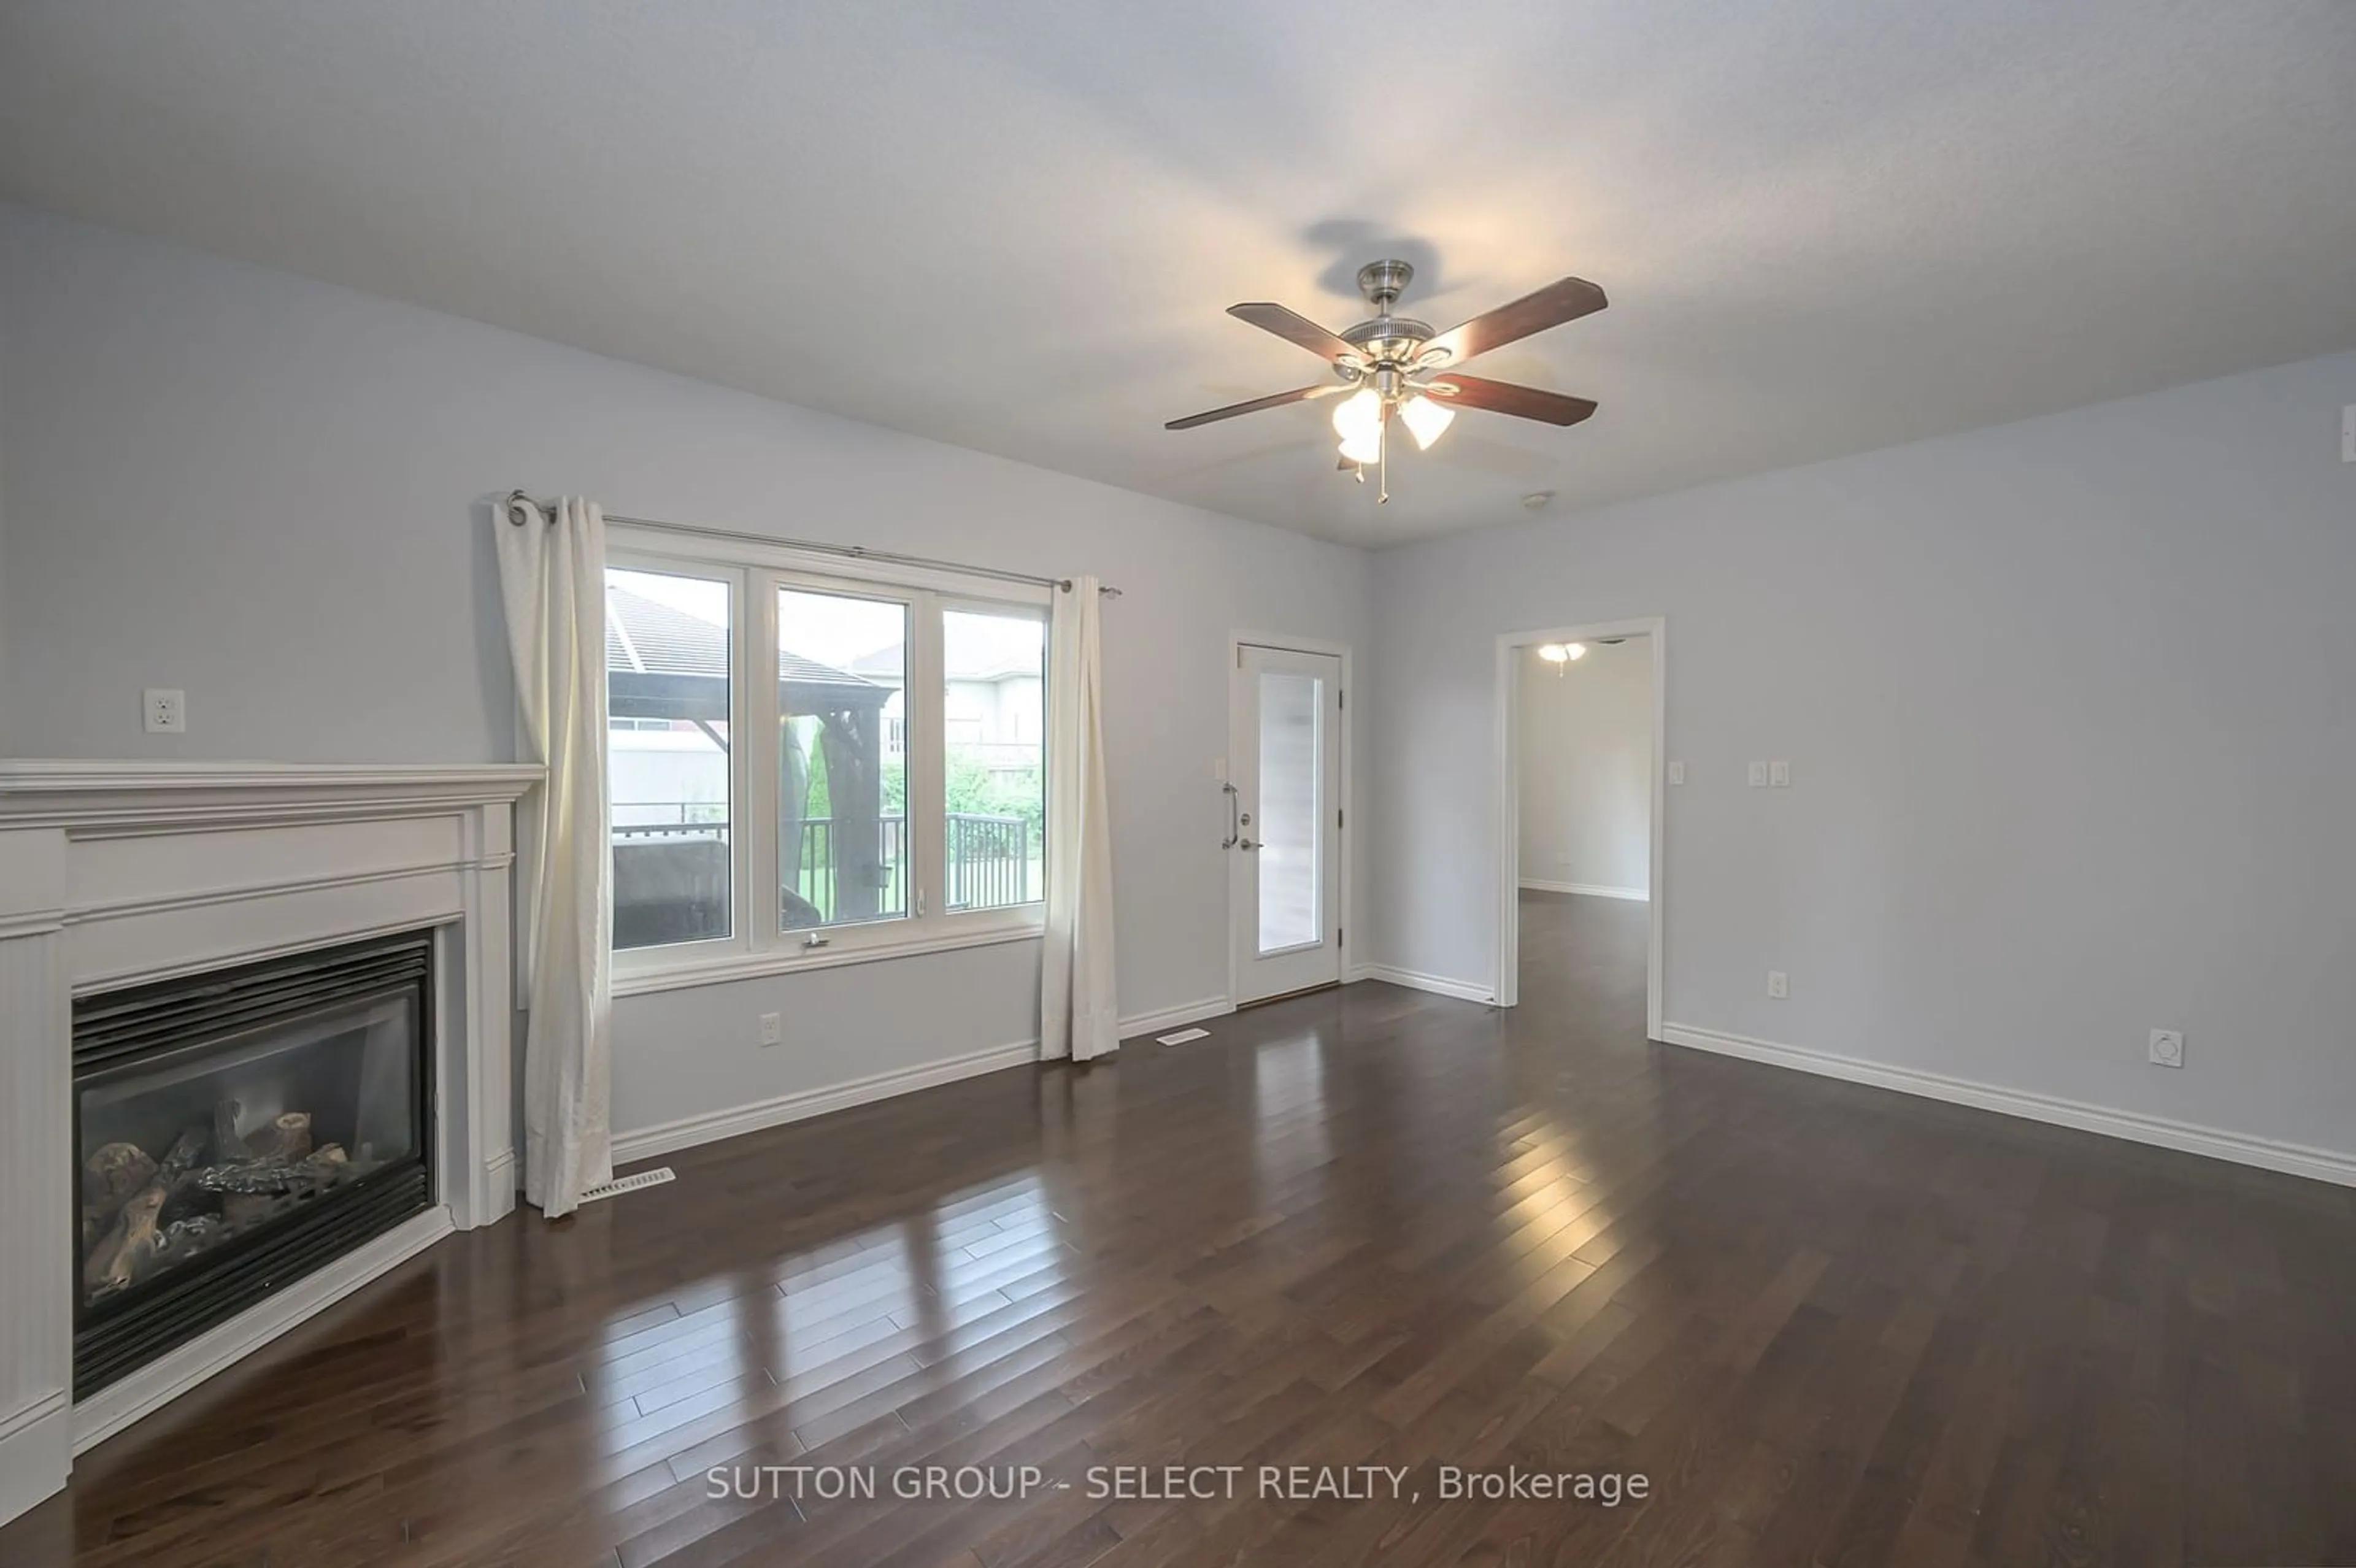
x=637, y=982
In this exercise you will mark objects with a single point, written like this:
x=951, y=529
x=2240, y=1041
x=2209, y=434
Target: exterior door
x=1285, y=821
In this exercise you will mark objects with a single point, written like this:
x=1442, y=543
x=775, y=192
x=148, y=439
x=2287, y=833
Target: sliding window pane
x=842, y=830
x=994, y=721
x=668, y=645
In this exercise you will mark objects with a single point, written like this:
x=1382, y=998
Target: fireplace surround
x=124, y=882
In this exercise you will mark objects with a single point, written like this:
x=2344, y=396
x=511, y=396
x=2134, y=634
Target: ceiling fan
x=1394, y=366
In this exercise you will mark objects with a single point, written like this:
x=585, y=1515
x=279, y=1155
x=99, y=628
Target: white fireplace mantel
x=115, y=873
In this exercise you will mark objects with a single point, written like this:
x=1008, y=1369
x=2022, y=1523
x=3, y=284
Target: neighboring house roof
x=645, y=637
x=885, y=667
x=650, y=637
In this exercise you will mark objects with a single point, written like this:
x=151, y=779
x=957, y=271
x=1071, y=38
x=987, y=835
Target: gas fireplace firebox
x=237, y=1129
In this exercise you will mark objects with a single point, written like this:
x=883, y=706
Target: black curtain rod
x=517, y=501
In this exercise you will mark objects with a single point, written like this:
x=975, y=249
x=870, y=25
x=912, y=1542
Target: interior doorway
x=1286, y=819
x=1582, y=791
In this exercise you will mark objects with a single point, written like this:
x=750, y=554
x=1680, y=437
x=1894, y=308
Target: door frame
x=1507, y=767
x=1236, y=642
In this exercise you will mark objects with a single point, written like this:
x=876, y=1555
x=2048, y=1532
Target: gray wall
x=270, y=492
x=2067, y=705
x=1585, y=767
x=2067, y=701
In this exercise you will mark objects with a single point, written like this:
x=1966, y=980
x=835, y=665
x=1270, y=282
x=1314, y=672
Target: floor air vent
x=644, y=1179
x=1182, y=1037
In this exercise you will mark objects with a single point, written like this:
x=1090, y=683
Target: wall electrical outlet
x=773, y=1029
x=1779, y=986
x=2167, y=1048
x=1758, y=776
x=1778, y=774
x=1677, y=773
x=166, y=711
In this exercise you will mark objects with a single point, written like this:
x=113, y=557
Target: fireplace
x=236, y=1130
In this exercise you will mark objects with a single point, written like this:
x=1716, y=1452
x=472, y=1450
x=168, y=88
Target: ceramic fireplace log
x=285, y=1140
x=111, y=1176
x=128, y=1245
x=227, y=1145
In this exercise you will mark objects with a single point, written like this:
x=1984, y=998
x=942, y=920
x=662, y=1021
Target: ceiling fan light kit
x=1397, y=366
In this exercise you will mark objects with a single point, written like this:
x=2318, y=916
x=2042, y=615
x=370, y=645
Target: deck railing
x=991, y=860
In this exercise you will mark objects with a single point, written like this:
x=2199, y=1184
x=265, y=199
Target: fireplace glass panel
x=186, y=1151
x=236, y=1130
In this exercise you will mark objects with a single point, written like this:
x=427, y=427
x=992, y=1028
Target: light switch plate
x=1677, y=773
x=1779, y=773
x=1758, y=776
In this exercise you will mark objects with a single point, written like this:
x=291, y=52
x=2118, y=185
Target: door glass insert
x=1292, y=871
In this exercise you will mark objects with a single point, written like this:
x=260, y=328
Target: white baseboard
x=161, y=1380
x=2294, y=1160
x=668, y=1137
x=1176, y=1018
x=1591, y=890
x=1438, y=985
x=35, y=1453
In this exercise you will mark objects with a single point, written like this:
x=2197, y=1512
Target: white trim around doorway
x=1504, y=771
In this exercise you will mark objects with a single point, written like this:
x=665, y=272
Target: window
x=668, y=653
x=993, y=712
x=842, y=822
x=901, y=803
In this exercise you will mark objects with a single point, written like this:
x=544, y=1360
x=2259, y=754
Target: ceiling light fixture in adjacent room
x=1560, y=654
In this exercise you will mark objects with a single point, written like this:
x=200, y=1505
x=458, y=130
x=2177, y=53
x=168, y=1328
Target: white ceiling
x=1824, y=225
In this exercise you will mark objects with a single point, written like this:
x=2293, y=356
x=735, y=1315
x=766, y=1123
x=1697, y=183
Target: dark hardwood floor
x=1367, y=1228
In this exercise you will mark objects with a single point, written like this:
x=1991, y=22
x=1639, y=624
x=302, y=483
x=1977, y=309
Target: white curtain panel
x=552, y=577
x=1077, y=1015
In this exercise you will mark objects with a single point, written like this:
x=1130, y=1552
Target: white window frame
x=756, y=946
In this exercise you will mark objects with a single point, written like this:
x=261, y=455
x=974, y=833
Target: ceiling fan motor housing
x=1388, y=341
x=1383, y=281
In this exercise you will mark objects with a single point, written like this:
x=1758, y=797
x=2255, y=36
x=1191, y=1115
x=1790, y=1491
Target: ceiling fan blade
x=1505, y=398
x=1296, y=328
x=1566, y=299
x=1273, y=400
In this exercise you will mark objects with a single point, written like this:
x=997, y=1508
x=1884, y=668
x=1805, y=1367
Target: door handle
x=1234, y=827
x=1246, y=844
